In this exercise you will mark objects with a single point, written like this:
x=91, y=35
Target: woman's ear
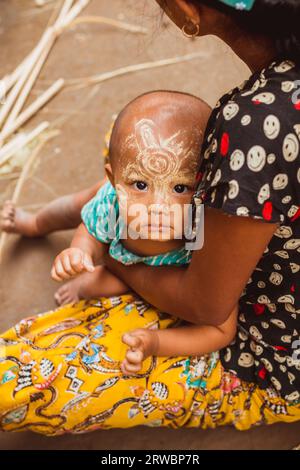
x=109, y=173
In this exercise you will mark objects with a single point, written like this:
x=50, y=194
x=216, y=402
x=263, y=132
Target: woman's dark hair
x=279, y=19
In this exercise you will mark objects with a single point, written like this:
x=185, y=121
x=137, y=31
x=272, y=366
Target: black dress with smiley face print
x=251, y=168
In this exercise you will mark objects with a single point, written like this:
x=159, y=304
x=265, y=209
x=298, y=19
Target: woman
x=60, y=371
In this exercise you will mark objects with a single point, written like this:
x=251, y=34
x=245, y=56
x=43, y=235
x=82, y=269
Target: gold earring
x=187, y=31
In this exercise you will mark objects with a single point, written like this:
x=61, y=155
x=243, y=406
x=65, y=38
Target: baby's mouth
x=157, y=227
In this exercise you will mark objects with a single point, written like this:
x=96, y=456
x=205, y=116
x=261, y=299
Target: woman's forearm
x=207, y=290
x=161, y=287
x=100, y=283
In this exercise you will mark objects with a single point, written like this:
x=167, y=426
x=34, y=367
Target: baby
x=140, y=214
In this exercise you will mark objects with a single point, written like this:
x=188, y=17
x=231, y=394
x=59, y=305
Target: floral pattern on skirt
x=60, y=373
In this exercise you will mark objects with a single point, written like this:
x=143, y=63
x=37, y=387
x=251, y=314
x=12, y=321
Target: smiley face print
x=242, y=211
x=287, y=86
x=290, y=148
x=293, y=210
x=264, y=193
x=284, y=232
x=252, y=90
x=276, y=278
x=292, y=244
x=280, y=181
x=265, y=98
x=271, y=158
x=256, y=158
x=297, y=130
x=258, y=177
x=246, y=360
x=237, y=160
x=246, y=119
x=233, y=189
x=284, y=66
x=271, y=127
x=230, y=111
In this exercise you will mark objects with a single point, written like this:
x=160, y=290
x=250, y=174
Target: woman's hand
x=71, y=262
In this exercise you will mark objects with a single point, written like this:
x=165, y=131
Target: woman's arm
x=207, y=291
x=100, y=283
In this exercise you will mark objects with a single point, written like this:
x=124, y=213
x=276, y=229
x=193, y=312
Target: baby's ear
x=109, y=173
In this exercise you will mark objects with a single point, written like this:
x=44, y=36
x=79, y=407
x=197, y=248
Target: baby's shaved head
x=163, y=112
x=154, y=160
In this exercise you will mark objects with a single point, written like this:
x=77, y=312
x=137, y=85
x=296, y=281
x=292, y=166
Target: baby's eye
x=180, y=188
x=140, y=185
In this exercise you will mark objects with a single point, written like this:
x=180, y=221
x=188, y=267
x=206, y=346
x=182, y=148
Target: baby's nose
x=159, y=208
x=161, y=198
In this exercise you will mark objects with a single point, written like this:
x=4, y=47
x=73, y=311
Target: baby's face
x=155, y=178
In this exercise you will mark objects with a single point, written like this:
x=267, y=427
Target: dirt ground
x=72, y=161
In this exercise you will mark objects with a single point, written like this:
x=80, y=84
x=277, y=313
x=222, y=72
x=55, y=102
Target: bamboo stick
x=88, y=81
x=10, y=176
x=7, y=152
x=28, y=72
x=41, y=3
x=10, y=80
x=12, y=145
x=64, y=11
x=103, y=20
x=64, y=19
x=32, y=109
x=75, y=11
x=31, y=67
x=19, y=186
x=93, y=79
x=25, y=73
x=28, y=85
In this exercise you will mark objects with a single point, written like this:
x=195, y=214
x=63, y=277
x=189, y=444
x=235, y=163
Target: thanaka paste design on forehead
x=161, y=160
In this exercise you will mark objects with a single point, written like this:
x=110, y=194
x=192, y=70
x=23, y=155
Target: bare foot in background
x=69, y=292
x=16, y=220
x=100, y=283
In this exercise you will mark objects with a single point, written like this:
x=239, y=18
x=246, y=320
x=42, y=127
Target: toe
x=62, y=290
x=11, y=212
x=9, y=208
x=57, y=299
x=6, y=222
x=70, y=299
x=67, y=293
x=7, y=225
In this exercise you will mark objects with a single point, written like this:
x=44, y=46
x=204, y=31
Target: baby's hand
x=142, y=343
x=71, y=262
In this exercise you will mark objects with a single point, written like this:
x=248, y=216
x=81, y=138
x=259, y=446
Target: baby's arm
x=190, y=340
x=85, y=250
x=80, y=258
